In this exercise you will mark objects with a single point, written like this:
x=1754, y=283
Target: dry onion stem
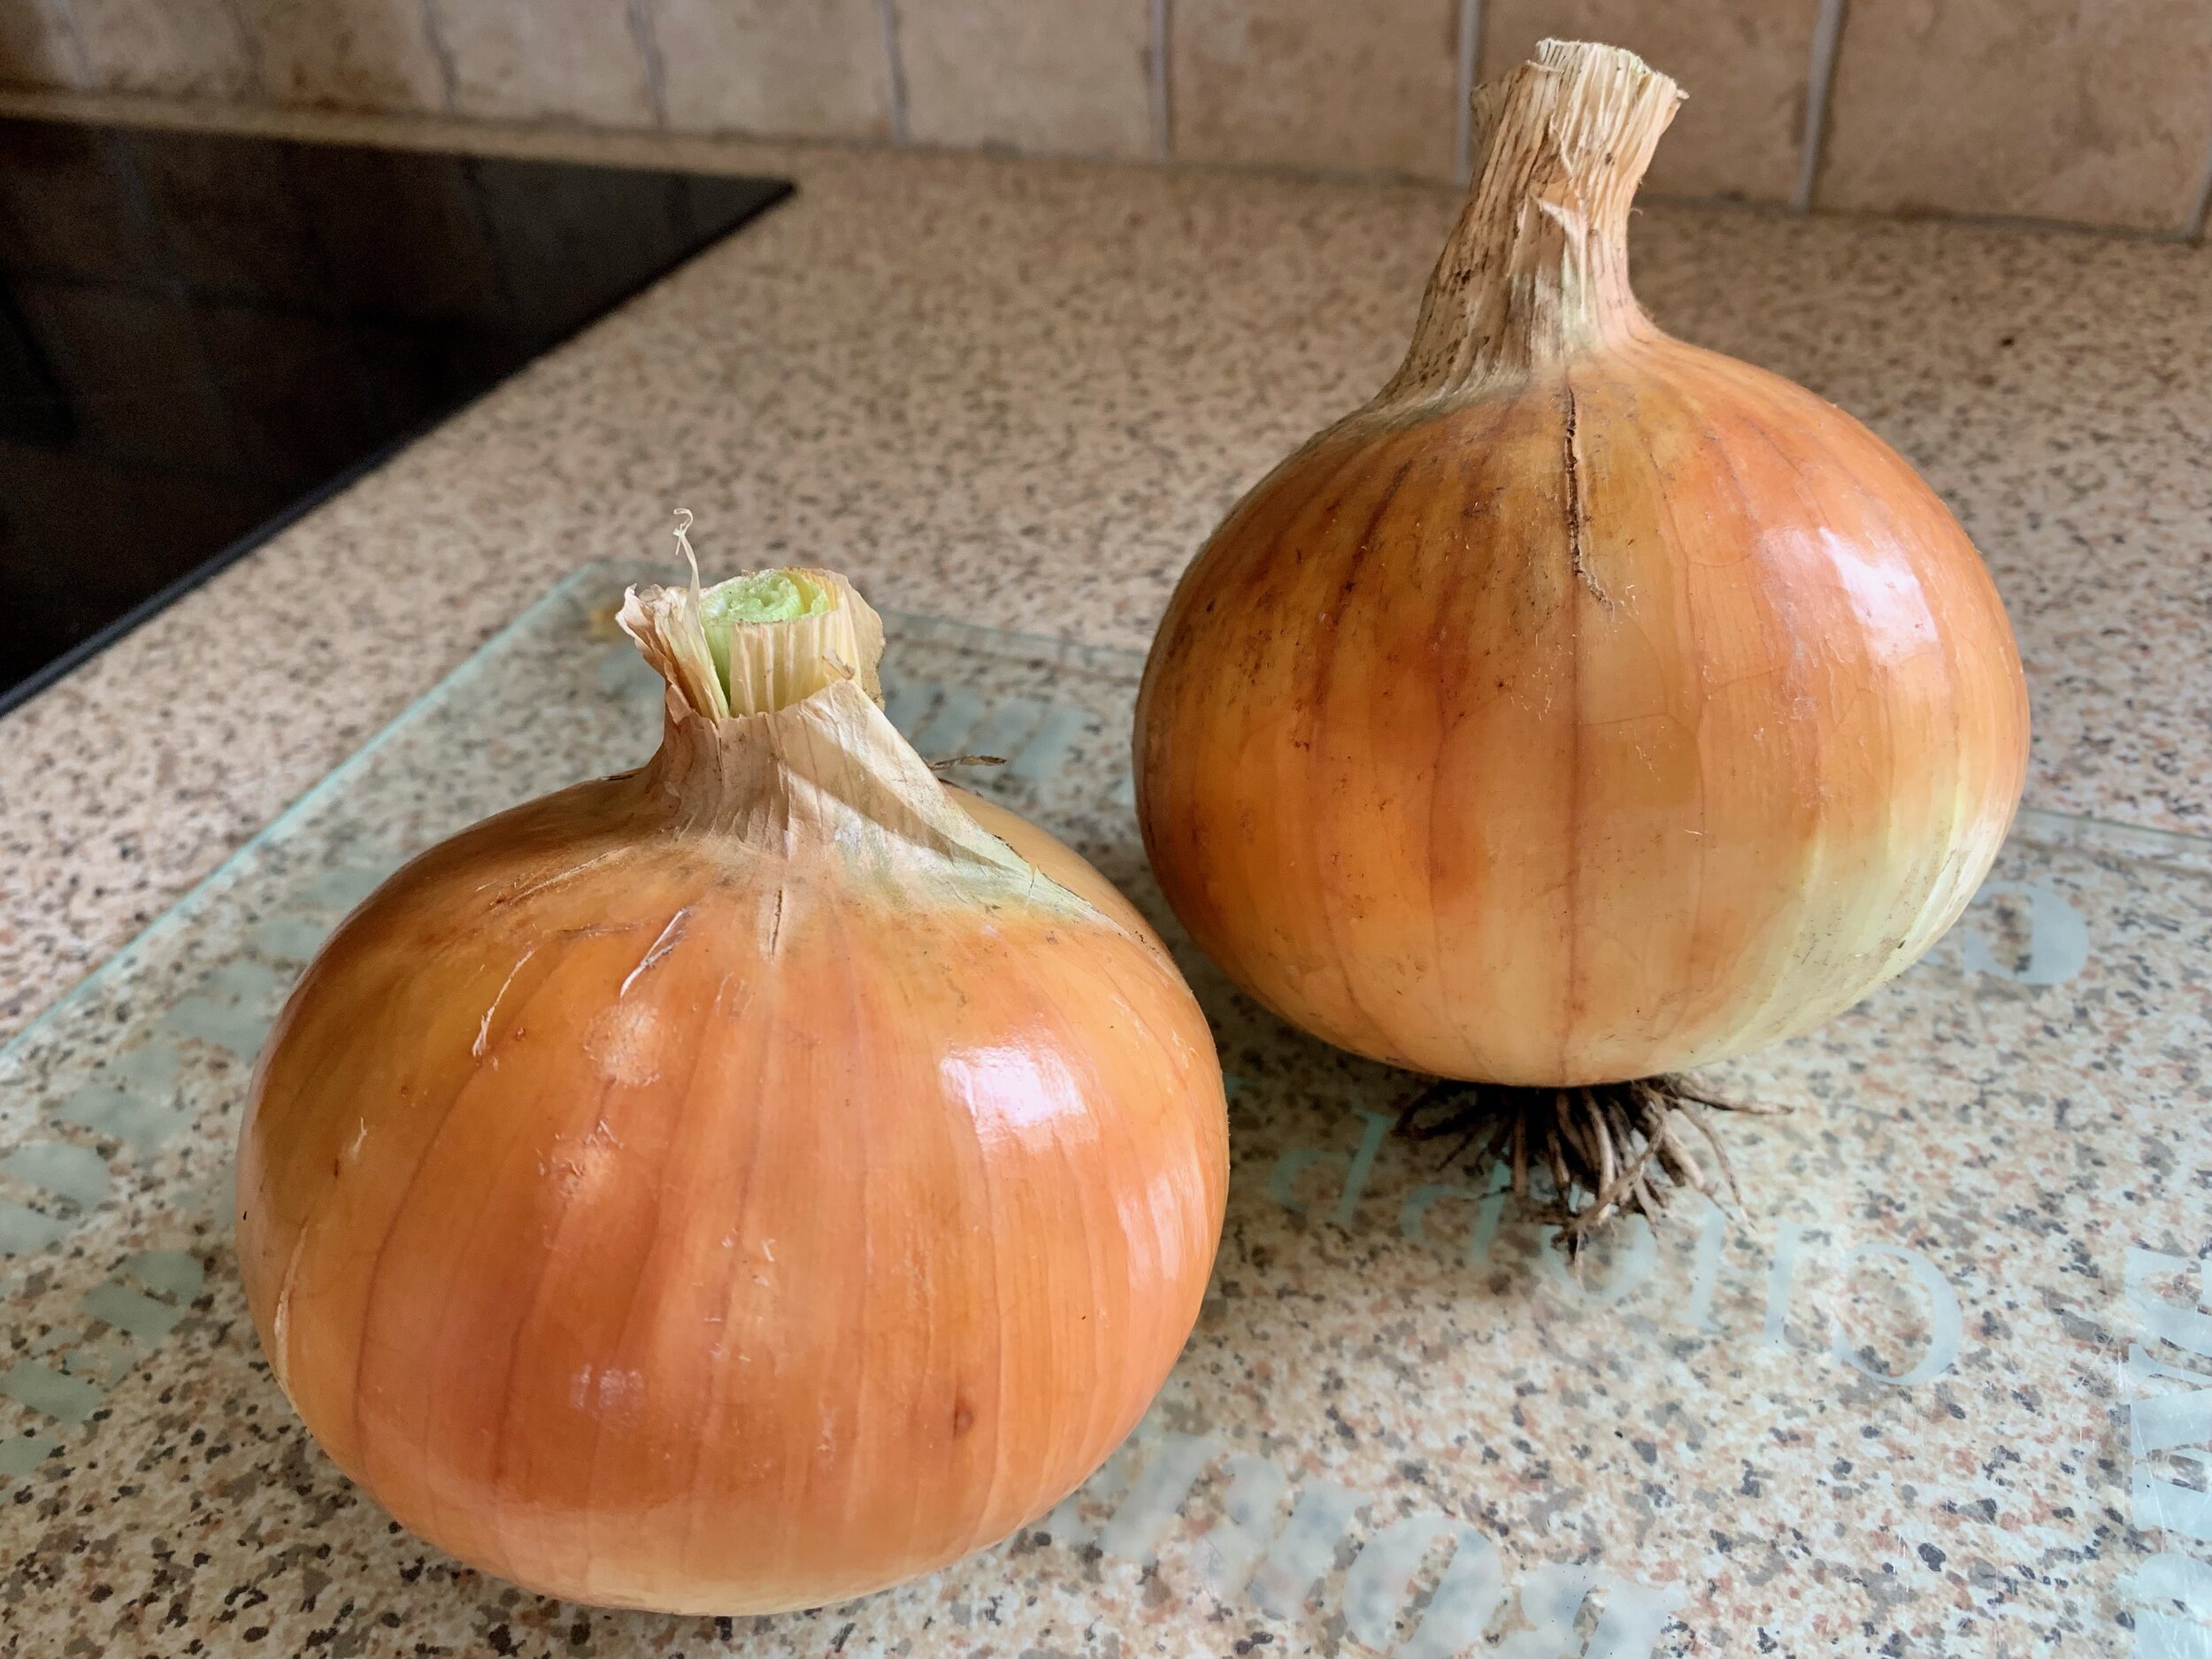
x=1624, y=1148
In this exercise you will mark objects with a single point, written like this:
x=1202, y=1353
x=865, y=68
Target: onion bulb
x=1587, y=706
x=743, y=1183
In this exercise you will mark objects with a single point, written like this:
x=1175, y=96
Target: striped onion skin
x=1589, y=706
x=737, y=1186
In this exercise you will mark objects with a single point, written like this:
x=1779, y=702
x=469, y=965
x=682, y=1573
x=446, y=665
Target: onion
x=1587, y=706
x=743, y=1183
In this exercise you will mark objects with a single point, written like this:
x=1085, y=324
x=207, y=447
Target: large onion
x=743, y=1183
x=1588, y=705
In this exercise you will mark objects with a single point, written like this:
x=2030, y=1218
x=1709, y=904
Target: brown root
x=1610, y=1148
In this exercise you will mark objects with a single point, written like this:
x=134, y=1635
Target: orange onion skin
x=656, y=1225
x=1628, y=712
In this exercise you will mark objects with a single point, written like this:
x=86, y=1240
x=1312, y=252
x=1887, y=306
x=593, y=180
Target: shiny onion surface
x=1589, y=706
x=744, y=1183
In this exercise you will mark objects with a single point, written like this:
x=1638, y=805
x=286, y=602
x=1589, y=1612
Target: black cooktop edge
x=206, y=336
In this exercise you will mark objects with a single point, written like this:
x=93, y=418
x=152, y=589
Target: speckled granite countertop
x=1022, y=394
x=1888, y=1412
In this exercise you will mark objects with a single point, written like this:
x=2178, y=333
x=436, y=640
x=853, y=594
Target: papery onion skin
x=1591, y=705
x=656, y=1221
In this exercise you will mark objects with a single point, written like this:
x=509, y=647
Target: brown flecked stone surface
x=1911, y=1396
x=1023, y=393
x=1019, y=395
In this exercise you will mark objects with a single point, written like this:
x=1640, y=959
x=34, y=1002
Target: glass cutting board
x=1945, y=1389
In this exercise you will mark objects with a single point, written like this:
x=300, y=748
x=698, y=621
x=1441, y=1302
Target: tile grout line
x=1468, y=66
x=250, y=44
x=448, y=78
x=2192, y=227
x=888, y=17
x=1820, y=80
x=646, y=38
x=1162, y=110
x=65, y=13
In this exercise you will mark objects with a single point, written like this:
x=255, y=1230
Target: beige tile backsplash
x=1064, y=77
x=2094, y=111
x=348, y=54
x=786, y=68
x=35, y=46
x=1370, y=87
x=190, y=47
x=547, y=60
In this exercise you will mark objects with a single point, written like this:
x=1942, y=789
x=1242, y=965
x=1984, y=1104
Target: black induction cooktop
x=202, y=335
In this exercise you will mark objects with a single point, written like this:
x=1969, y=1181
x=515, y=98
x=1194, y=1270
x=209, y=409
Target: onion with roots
x=1588, y=706
x=741, y=1183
